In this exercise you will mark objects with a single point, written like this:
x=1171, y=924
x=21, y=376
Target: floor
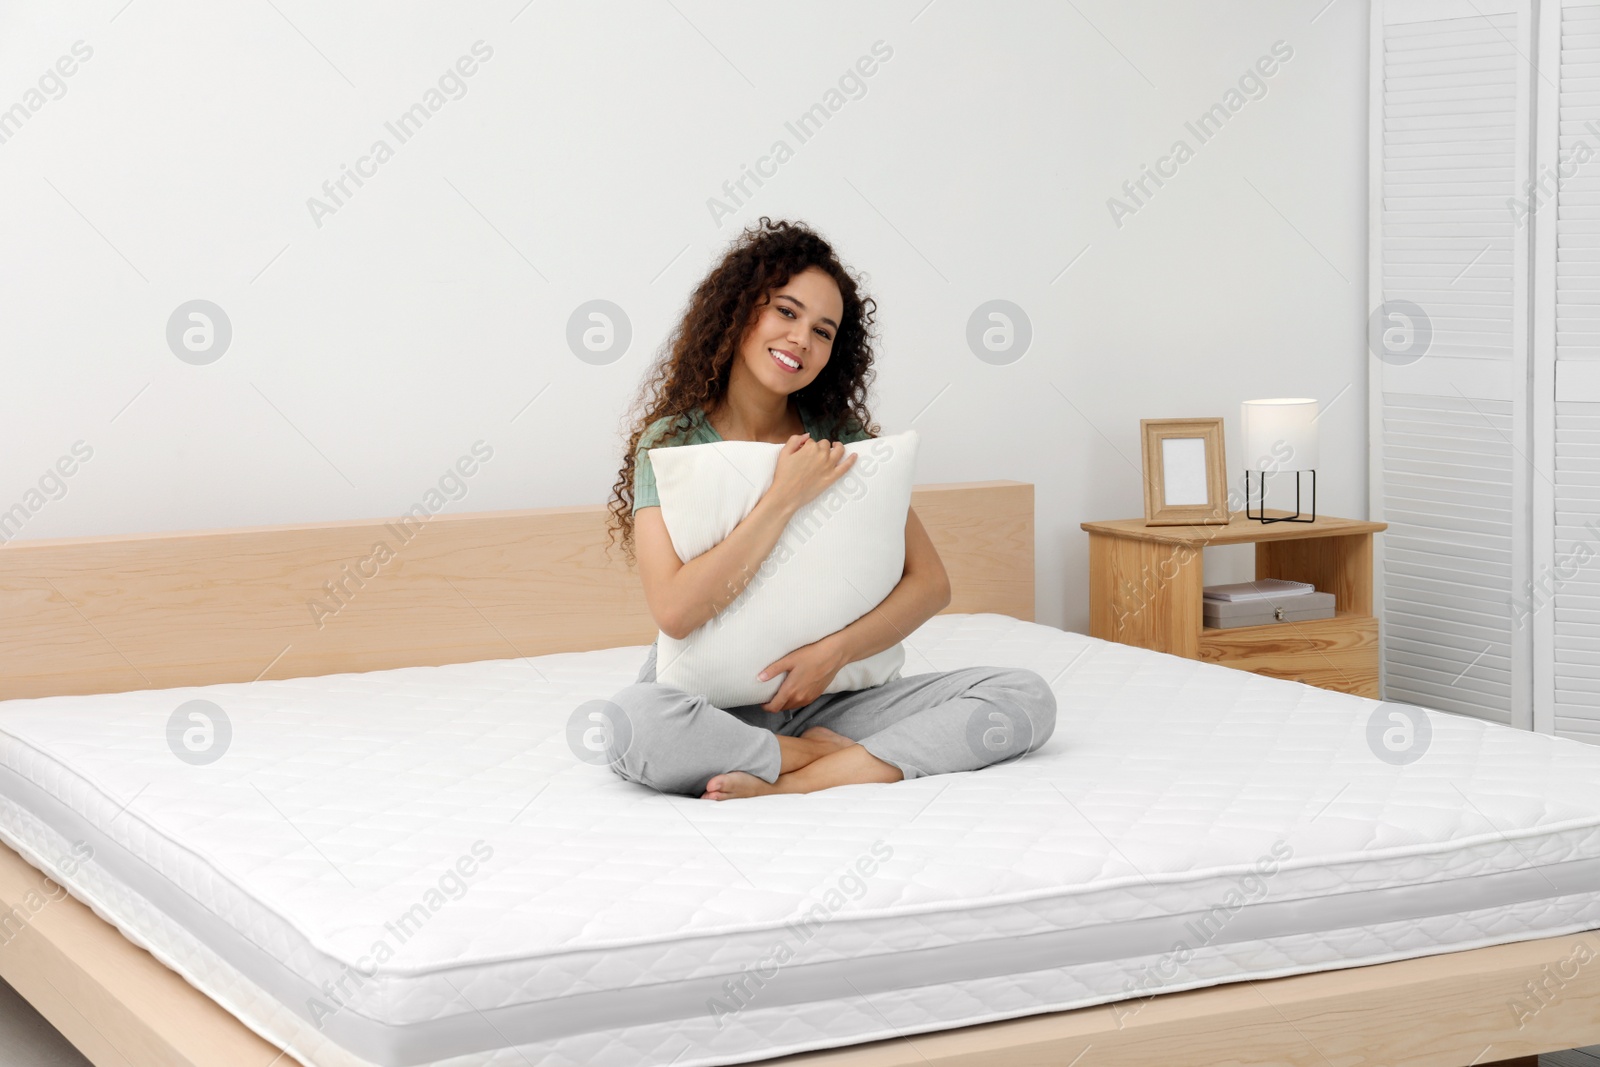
x=26, y=1040
x=1582, y=1057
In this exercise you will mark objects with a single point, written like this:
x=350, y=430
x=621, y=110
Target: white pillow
x=839, y=556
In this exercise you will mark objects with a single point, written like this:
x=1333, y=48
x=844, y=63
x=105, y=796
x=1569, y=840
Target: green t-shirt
x=699, y=431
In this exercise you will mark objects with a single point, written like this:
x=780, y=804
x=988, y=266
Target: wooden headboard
x=155, y=611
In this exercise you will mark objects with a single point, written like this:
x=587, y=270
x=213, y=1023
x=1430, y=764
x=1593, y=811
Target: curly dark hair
x=697, y=358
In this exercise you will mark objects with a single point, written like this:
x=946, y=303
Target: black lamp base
x=1261, y=501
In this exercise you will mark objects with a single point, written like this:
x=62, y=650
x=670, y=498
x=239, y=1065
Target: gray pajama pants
x=935, y=723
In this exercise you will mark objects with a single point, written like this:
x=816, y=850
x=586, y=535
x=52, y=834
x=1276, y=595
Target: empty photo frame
x=1185, y=483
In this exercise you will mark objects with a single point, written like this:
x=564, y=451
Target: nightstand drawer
x=1339, y=653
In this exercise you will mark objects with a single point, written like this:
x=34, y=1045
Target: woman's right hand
x=806, y=468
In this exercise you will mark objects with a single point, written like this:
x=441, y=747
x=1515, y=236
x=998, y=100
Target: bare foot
x=829, y=739
x=846, y=766
x=810, y=746
x=736, y=784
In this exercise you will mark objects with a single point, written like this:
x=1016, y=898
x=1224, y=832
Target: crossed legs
x=937, y=723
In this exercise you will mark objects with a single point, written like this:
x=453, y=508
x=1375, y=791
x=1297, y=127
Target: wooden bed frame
x=109, y=614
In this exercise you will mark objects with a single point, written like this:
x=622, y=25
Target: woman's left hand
x=811, y=668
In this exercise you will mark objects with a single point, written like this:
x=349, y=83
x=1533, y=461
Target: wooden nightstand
x=1145, y=587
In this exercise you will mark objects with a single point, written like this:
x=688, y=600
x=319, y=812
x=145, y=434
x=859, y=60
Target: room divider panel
x=1484, y=285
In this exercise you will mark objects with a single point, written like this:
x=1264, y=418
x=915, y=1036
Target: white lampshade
x=1280, y=435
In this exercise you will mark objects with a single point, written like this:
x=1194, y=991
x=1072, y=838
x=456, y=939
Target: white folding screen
x=1485, y=398
x=1564, y=595
x=1451, y=139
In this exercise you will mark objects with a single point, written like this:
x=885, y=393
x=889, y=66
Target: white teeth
x=785, y=360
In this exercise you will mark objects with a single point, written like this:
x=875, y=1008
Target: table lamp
x=1280, y=435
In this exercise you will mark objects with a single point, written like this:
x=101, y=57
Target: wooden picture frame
x=1185, y=472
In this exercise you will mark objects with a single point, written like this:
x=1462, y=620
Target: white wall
x=373, y=346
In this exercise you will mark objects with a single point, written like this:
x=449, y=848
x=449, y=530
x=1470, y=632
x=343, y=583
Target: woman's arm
x=923, y=592
x=684, y=596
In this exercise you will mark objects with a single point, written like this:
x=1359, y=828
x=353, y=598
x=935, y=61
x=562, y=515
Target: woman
x=776, y=346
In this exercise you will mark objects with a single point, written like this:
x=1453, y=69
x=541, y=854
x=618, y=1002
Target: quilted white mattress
x=411, y=866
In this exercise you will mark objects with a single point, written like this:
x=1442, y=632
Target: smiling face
x=797, y=325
